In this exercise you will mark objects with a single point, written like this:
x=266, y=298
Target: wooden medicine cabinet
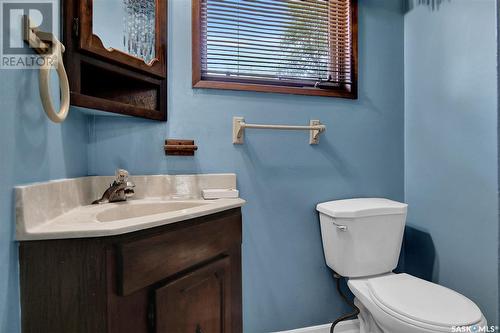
x=116, y=55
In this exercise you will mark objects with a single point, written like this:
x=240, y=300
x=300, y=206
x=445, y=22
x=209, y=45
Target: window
x=306, y=47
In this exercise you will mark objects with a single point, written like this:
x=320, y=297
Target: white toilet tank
x=362, y=237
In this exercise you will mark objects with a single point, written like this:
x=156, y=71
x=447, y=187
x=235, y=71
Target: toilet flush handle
x=340, y=227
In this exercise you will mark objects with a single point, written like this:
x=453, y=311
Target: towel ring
x=41, y=42
x=44, y=81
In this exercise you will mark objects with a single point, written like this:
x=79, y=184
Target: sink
x=128, y=211
x=61, y=209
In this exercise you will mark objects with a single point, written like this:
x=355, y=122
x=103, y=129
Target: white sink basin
x=122, y=212
x=119, y=218
x=61, y=209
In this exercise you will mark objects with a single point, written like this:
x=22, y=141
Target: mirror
x=128, y=26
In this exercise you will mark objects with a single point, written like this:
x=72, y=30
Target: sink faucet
x=120, y=190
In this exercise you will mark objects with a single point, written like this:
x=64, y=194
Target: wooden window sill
x=208, y=84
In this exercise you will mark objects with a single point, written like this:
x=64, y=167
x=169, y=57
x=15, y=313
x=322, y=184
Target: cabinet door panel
x=196, y=303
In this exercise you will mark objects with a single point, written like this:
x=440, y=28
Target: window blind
x=301, y=43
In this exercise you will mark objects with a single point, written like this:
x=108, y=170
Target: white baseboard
x=348, y=326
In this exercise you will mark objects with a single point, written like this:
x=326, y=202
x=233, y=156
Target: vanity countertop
x=60, y=209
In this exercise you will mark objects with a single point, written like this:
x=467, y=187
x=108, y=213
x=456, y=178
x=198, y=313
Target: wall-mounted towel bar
x=315, y=127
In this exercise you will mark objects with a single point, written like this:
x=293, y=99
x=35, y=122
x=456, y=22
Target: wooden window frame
x=197, y=81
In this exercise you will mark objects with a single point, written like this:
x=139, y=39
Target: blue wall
x=451, y=144
x=286, y=282
x=31, y=149
x=451, y=158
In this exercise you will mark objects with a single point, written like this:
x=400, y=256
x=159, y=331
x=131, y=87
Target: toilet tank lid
x=361, y=207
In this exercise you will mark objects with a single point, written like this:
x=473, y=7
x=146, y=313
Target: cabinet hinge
x=151, y=316
x=76, y=27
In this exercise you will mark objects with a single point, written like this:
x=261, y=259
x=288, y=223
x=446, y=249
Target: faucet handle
x=121, y=175
x=129, y=189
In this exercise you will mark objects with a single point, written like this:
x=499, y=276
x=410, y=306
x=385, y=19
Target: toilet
x=362, y=241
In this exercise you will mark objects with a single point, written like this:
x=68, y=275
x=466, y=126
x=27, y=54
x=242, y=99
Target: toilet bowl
x=362, y=241
x=403, y=303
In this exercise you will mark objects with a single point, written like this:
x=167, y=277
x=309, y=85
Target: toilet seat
x=414, y=303
x=424, y=302
x=416, y=324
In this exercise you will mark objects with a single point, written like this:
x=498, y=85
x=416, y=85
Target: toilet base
x=366, y=322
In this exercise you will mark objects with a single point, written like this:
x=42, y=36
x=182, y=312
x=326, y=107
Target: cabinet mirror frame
x=92, y=43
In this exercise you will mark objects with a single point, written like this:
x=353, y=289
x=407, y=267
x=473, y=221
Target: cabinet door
x=199, y=302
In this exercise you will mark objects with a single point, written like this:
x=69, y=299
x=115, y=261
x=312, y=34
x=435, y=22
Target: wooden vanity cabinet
x=182, y=277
